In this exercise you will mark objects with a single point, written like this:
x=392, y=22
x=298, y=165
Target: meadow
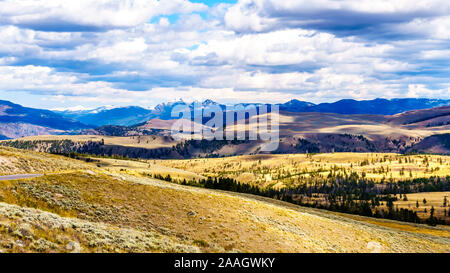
x=279, y=171
x=424, y=202
x=373, y=184
x=112, y=205
x=148, y=142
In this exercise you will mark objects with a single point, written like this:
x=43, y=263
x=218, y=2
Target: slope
x=92, y=209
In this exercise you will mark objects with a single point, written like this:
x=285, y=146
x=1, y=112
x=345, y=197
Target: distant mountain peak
x=79, y=116
x=296, y=101
x=296, y=106
x=17, y=121
x=209, y=102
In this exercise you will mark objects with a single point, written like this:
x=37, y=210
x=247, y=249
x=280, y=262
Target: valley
x=314, y=178
x=290, y=169
x=416, y=131
x=241, y=128
x=341, y=181
x=111, y=206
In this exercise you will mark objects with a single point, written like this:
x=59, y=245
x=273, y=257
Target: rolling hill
x=80, y=207
x=426, y=118
x=376, y=106
x=299, y=133
x=435, y=144
x=17, y=121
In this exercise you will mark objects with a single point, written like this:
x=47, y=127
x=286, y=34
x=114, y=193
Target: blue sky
x=87, y=53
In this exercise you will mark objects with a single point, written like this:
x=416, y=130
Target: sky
x=90, y=53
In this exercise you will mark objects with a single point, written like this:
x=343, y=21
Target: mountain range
x=18, y=121
x=376, y=106
x=127, y=116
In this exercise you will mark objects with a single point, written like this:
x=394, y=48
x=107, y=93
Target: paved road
x=19, y=176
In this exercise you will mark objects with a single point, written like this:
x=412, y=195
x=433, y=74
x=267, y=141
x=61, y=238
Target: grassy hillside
x=432, y=200
x=13, y=161
x=364, y=184
x=285, y=170
x=148, y=142
x=117, y=210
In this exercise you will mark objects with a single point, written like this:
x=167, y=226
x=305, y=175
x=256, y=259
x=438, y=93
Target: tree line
x=352, y=194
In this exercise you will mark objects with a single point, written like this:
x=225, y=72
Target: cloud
x=45, y=80
x=7, y=60
x=88, y=15
x=144, y=52
x=421, y=91
x=345, y=18
x=73, y=108
x=434, y=28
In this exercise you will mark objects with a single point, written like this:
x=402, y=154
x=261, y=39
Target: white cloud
x=439, y=54
x=89, y=13
x=45, y=80
x=73, y=108
x=421, y=91
x=7, y=60
x=255, y=50
x=164, y=22
x=435, y=28
x=122, y=51
x=267, y=15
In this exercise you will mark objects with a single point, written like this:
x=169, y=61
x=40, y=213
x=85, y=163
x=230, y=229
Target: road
x=18, y=176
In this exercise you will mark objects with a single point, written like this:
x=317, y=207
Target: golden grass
x=441, y=231
x=208, y=220
x=220, y=221
x=433, y=199
x=13, y=161
x=143, y=168
x=268, y=170
x=28, y=230
x=148, y=142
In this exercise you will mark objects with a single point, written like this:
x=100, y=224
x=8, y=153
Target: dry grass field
x=148, y=142
x=284, y=170
x=433, y=200
x=14, y=161
x=371, y=126
x=140, y=168
x=114, y=208
x=180, y=216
